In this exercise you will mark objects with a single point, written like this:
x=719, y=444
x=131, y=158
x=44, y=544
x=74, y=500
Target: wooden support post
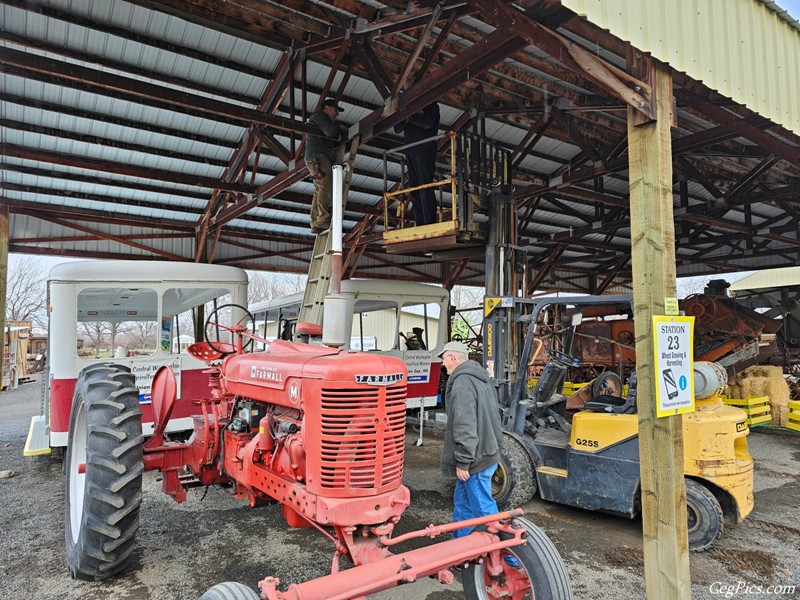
x=3, y=278
x=666, y=548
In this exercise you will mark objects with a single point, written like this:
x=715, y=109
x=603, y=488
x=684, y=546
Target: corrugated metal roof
x=743, y=49
x=143, y=146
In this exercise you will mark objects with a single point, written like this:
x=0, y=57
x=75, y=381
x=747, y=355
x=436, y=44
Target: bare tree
x=467, y=297
x=140, y=335
x=97, y=332
x=26, y=297
x=268, y=286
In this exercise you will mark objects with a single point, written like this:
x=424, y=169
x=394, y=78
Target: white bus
x=403, y=319
x=132, y=313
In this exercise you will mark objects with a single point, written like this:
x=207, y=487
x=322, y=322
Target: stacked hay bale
x=764, y=381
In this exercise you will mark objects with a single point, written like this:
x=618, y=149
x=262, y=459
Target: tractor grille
x=363, y=432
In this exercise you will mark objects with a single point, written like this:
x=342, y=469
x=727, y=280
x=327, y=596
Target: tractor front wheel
x=533, y=570
x=704, y=516
x=230, y=590
x=103, y=472
x=514, y=480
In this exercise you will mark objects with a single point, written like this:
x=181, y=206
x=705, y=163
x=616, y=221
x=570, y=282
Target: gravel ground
x=183, y=549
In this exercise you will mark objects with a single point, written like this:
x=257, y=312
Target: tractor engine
x=318, y=430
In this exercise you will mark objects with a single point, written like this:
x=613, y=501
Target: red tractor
x=319, y=430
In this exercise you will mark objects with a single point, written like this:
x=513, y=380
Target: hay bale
x=753, y=386
x=778, y=391
x=734, y=390
x=768, y=371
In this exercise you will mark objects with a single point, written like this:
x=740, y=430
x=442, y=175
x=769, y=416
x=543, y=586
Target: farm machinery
x=315, y=429
x=586, y=454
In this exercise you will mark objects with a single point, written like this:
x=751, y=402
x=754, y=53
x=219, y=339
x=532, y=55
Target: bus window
x=419, y=325
x=374, y=325
x=179, y=329
x=117, y=322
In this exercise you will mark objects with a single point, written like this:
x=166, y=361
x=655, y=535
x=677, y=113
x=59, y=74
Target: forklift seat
x=611, y=404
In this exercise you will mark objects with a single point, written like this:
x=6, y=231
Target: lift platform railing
x=476, y=167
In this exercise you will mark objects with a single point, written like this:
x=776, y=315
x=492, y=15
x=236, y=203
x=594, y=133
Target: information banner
x=674, y=364
x=418, y=363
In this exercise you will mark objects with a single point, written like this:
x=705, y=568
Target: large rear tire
x=103, y=472
x=514, y=480
x=230, y=590
x=540, y=574
x=704, y=516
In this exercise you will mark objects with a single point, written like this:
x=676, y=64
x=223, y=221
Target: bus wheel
x=103, y=473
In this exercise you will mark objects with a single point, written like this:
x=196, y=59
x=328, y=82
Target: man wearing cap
x=320, y=155
x=473, y=435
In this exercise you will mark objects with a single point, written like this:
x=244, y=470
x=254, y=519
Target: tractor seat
x=610, y=404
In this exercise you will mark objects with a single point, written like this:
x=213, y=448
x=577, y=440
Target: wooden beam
x=741, y=127
x=109, y=82
x=107, y=166
x=422, y=39
x=614, y=81
x=433, y=52
x=666, y=545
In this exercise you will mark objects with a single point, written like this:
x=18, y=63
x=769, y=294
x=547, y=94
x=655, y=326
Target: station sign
x=673, y=338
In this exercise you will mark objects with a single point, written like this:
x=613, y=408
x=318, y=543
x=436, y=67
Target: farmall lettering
x=381, y=380
x=266, y=374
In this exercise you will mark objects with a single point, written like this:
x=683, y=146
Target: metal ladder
x=319, y=270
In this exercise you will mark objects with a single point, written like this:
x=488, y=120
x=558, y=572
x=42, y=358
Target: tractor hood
x=276, y=374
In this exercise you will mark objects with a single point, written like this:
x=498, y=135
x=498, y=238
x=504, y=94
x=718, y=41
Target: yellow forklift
x=591, y=460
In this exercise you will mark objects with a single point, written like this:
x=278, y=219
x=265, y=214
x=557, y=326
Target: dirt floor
x=183, y=549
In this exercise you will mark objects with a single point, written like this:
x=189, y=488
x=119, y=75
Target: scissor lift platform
x=425, y=238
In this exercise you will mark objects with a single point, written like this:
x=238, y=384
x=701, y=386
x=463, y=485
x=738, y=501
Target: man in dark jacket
x=320, y=155
x=421, y=160
x=473, y=436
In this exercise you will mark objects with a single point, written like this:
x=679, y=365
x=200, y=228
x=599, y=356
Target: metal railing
x=476, y=167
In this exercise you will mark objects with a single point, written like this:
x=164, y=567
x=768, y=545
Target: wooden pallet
x=757, y=408
x=793, y=419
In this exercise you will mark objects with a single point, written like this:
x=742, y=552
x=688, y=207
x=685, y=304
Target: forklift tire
x=704, y=515
x=103, y=482
x=538, y=559
x=514, y=481
x=230, y=590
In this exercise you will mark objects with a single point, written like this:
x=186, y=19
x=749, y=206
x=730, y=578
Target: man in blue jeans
x=473, y=436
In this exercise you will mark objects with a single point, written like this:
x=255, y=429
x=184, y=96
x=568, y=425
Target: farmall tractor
x=318, y=430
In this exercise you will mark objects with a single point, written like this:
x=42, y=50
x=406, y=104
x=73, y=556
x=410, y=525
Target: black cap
x=332, y=102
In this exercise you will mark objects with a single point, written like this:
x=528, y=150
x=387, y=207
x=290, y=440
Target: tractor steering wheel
x=223, y=347
x=561, y=358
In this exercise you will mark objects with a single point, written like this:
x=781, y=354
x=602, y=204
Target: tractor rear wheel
x=533, y=570
x=230, y=590
x=514, y=481
x=704, y=516
x=103, y=472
